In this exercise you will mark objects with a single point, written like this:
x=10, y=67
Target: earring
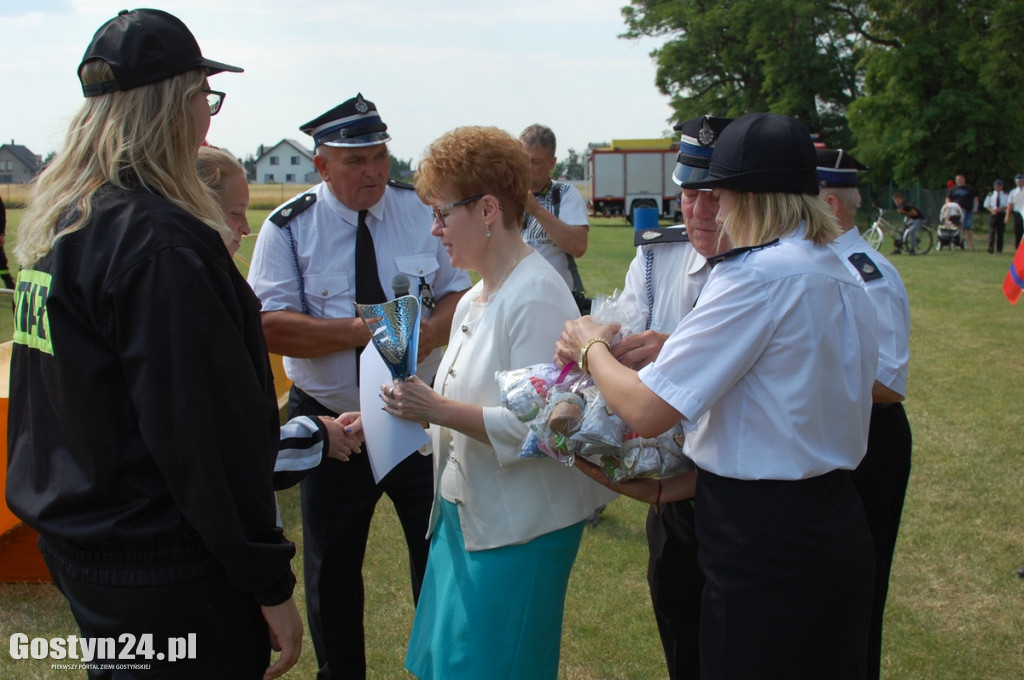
x=488, y=228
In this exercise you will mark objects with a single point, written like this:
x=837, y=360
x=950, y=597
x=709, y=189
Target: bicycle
x=875, y=235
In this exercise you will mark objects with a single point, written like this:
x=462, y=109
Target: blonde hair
x=215, y=167
x=144, y=135
x=757, y=218
x=477, y=160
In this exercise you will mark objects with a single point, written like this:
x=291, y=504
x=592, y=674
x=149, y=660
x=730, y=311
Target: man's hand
x=285, y=636
x=569, y=237
x=431, y=337
x=639, y=349
x=533, y=206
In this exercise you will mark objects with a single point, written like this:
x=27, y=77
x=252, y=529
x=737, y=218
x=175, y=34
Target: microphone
x=400, y=284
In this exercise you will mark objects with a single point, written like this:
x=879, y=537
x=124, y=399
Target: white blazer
x=504, y=499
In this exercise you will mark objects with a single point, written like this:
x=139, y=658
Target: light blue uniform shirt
x=325, y=242
x=774, y=366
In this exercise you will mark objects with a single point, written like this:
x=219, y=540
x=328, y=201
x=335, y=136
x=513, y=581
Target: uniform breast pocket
x=421, y=265
x=329, y=296
x=420, y=270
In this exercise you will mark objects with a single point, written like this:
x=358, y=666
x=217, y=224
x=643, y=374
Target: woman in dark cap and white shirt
x=143, y=424
x=771, y=374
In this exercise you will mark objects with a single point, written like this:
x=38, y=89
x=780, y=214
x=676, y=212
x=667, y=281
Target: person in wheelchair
x=951, y=219
x=912, y=220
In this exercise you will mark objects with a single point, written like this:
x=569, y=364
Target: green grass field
x=956, y=606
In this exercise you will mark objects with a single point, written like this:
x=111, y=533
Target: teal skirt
x=494, y=614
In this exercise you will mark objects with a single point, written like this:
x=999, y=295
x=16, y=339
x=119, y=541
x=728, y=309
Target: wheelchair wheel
x=925, y=240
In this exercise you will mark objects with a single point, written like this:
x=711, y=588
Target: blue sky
x=428, y=65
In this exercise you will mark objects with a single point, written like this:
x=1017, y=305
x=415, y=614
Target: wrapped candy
x=531, y=446
x=600, y=427
x=565, y=414
x=660, y=456
x=557, y=421
x=524, y=391
x=545, y=397
x=548, y=443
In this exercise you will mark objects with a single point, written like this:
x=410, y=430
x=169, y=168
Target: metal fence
x=928, y=201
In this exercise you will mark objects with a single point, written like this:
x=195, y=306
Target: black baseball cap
x=763, y=153
x=145, y=46
x=695, y=145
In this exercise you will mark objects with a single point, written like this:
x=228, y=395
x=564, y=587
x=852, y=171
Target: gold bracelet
x=586, y=347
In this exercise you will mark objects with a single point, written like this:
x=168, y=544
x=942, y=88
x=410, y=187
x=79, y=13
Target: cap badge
x=706, y=136
x=361, y=105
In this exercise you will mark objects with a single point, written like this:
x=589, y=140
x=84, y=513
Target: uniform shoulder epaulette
x=290, y=210
x=867, y=269
x=645, y=236
x=721, y=257
x=399, y=185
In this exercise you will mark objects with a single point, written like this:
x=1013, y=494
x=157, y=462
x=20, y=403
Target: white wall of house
x=287, y=162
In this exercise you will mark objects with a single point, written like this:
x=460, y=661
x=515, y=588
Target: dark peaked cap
x=763, y=153
x=837, y=168
x=354, y=122
x=695, y=145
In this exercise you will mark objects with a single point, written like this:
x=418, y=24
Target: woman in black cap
x=143, y=421
x=771, y=374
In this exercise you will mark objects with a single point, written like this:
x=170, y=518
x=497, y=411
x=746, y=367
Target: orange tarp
x=20, y=561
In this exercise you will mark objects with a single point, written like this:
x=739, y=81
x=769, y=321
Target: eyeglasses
x=443, y=211
x=215, y=99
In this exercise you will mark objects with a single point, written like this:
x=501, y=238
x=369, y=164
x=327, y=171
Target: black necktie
x=368, y=290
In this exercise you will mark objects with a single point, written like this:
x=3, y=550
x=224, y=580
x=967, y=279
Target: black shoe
x=1020, y=572
x=896, y=252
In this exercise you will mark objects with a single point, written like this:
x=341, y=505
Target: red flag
x=1013, y=284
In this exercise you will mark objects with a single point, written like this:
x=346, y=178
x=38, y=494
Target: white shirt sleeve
x=272, y=273
x=573, y=209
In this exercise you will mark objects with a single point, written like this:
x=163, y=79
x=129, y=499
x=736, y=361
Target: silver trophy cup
x=395, y=329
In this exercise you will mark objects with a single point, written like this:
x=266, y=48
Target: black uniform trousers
x=789, y=570
x=1018, y=229
x=996, y=230
x=881, y=480
x=160, y=596
x=338, y=501
x=675, y=580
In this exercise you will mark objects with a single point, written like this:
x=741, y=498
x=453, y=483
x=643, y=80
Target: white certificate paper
x=389, y=439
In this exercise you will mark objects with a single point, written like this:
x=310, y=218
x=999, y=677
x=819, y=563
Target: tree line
x=918, y=90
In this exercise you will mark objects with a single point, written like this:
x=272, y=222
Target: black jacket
x=142, y=415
